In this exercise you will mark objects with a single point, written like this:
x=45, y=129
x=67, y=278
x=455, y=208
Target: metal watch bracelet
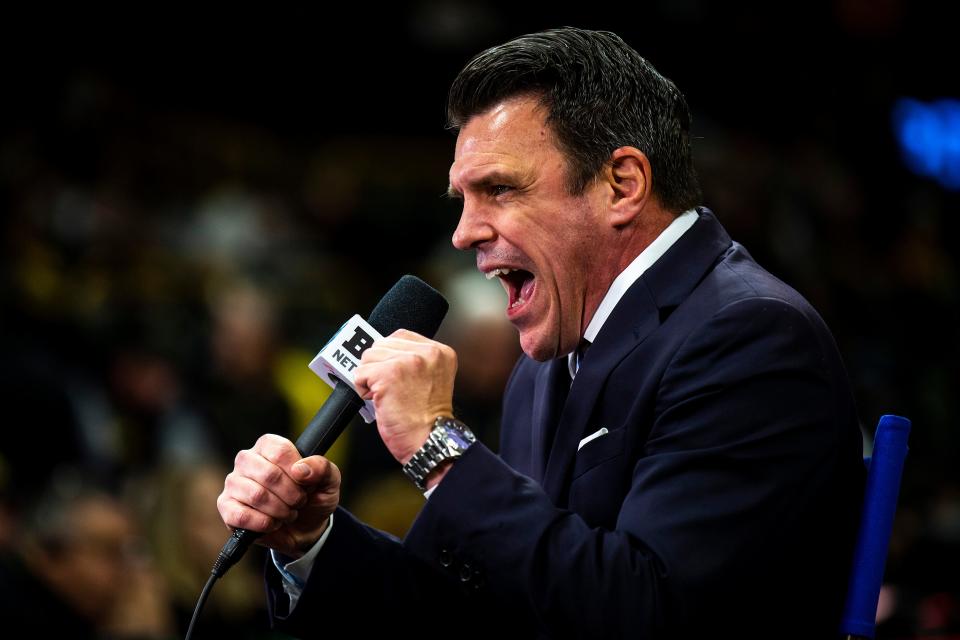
x=448, y=439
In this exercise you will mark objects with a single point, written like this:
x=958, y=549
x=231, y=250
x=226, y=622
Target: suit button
x=446, y=558
x=466, y=572
x=478, y=579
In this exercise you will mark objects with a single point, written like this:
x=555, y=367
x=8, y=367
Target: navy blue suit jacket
x=723, y=499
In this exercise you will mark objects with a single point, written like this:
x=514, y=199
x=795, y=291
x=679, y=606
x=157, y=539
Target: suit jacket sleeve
x=364, y=583
x=725, y=494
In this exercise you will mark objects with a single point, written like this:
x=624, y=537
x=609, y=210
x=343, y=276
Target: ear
x=629, y=180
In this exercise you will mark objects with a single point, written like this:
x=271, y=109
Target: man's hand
x=273, y=490
x=410, y=380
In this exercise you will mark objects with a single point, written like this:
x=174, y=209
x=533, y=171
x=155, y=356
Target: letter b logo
x=359, y=343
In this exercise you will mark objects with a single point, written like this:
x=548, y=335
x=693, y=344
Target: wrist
x=305, y=542
x=409, y=450
x=447, y=441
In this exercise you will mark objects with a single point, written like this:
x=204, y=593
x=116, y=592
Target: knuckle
x=241, y=457
x=249, y=519
x=258, y=496
x=240, y=518
x=230, y=485
x=276, y=449
x=272, y=475
x=270, y=446
x=302, y=498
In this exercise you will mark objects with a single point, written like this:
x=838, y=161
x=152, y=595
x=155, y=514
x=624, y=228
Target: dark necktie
x=578, y=356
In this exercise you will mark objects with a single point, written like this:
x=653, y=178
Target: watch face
x=458, y=436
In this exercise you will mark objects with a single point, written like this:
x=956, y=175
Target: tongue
x=526, y=288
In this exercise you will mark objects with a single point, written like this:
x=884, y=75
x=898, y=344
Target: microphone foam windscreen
x=410, y=304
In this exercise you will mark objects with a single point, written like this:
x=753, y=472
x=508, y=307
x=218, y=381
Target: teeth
x=519, y=302
x=501, y=271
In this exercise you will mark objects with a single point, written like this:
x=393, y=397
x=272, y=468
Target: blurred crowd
x=150, y=331
x=167, y=274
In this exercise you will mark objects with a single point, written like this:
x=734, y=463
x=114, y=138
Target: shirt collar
x=632, y=273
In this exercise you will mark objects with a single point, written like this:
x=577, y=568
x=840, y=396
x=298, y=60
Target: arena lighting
x=929, y=138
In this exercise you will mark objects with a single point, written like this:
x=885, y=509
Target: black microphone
x=411, y=304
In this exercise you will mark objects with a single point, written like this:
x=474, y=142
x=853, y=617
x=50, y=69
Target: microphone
x=410, y=304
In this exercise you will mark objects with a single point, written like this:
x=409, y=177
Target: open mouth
x=519, y=285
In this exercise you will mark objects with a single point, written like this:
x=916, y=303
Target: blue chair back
x=884, y=470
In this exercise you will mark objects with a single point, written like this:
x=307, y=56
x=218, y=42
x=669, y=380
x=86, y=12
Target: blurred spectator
x=77, y=570
x=186, y=534
x=156, y=423
x=240, y=397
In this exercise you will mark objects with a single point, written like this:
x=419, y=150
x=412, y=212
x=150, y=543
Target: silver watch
x=447, y=441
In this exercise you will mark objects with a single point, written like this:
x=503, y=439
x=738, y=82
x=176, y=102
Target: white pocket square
x=593, y=436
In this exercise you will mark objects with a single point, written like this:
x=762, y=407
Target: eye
x=499, y=189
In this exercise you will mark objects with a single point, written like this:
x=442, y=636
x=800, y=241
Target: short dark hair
x=600, y=94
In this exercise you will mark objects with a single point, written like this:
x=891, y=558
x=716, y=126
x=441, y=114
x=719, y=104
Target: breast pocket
x=597, y=451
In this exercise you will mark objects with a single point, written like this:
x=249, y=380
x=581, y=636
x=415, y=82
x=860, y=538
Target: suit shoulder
x=738, y=278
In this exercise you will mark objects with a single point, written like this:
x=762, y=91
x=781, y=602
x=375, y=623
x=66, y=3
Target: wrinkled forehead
x=512, y=132
x=515, y=122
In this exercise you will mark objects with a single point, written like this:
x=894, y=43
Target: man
x=72, y=573
x=700, y=474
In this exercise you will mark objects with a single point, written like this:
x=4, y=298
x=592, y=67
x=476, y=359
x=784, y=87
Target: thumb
x=315, y=470
x=302, y=471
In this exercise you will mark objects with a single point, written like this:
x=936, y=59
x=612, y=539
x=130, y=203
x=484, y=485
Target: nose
x=474, y=228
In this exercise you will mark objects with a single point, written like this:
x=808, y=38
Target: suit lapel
x=626, y=327
x=550, y=392
x=666, y=284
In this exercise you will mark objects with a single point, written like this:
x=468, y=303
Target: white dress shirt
x=646, y=259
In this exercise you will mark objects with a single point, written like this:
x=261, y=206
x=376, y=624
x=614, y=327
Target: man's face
x=546, y=246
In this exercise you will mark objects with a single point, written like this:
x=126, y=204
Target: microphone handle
x=318, y=436
x=330, y=420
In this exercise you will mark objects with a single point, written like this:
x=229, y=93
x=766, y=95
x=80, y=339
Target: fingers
x=247, y=504
x=256, y=496
x=277, y=450
x=270, y=484
x=403, y=343
x=240, y=516
x=401, y=355
x=269, y=475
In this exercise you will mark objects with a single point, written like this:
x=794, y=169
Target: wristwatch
x=447, y=441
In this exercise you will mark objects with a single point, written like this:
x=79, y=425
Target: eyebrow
x=492, y=178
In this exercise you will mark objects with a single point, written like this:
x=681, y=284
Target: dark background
x=180, y=187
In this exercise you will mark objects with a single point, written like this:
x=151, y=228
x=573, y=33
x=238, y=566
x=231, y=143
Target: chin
x=538, y=349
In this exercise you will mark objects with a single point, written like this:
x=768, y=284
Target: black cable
x=203, y=599
x=334, y=416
